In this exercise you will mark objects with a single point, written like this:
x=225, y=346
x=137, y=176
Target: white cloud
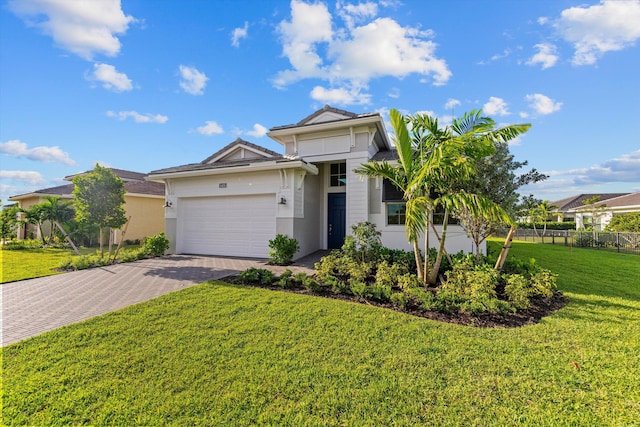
x=451, y=103
x=29, y=177
x=340, y=96
x=210, y=128
x=238, y=34
x=85, y=28
x=349, y=57
x=496, y=107
x=193, y=81
x=547, y=56
x=356, y=13
x=542, y=104
x=137, y=117
x=394, y=93
x=110, y=78
x=16, y=148
x=594, y=30
x=258, y=131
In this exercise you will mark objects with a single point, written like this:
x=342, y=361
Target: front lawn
x=29, y=263
x=220, y=354
x=22, y=264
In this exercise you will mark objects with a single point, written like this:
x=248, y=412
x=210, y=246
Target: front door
x=337, y=219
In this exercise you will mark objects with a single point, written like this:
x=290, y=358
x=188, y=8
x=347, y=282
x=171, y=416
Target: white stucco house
x=234, y=201
x=605, y=210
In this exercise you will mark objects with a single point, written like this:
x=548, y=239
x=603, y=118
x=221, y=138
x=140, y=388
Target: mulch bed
x=540, y=307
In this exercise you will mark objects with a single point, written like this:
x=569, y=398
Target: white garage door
x=232, y=226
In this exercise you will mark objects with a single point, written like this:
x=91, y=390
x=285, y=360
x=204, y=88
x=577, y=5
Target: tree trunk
x=505, y=249
x=101, y=243
x=436, y=266
x=75, y=248
x=416, y=254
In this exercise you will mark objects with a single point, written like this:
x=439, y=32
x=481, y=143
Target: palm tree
x=57, y=212
x=431, y=161
x=542, y=213
x=36, y=215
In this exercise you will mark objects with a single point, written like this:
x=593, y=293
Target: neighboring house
x=233, y=202
x=605, y=210
x=144, y=203
x=567, y=207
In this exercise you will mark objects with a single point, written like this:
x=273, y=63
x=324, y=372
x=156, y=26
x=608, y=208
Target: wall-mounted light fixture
x=168, y=204
x=282, y=201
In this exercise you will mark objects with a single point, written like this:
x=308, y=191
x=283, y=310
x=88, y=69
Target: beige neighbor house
x=605, y=210
x=144, y=204
x=234, y=201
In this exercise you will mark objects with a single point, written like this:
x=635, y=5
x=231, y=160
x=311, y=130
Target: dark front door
x=337, y=219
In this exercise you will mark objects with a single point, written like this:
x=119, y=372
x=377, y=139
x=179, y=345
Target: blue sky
x=143, y=85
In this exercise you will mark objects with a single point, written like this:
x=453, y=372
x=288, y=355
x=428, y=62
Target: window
x=396, y=213
x=338, y=175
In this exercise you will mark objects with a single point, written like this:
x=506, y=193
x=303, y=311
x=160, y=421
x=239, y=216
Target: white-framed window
x=338, y=174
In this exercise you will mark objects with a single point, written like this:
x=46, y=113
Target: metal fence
x=616, y=242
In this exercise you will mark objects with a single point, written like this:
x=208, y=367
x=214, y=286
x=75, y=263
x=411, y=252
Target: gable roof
x=223, y=161
x=238, y=145
x=330, y=115
x=577, y=201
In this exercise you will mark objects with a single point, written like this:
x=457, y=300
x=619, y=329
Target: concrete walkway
x=31, y=307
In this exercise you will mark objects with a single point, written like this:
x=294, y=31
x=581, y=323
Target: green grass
x=31, y=263
x=219, y=354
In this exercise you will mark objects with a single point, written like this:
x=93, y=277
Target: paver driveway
x=31, y=307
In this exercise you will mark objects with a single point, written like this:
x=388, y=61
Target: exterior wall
x=307, y=229
x=147, y=216
x=357, y=194
x=288, y=185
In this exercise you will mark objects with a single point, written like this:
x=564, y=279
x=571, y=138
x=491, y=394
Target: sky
x=144, y=85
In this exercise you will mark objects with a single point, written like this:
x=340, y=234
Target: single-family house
x=566, y=208
x=604, y=210
x=234, y=201
x=144, y=201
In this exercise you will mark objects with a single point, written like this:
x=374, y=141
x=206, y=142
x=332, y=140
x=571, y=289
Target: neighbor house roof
x=626, y=200
x=578, y=201
x=134, y=183
x=124, y=175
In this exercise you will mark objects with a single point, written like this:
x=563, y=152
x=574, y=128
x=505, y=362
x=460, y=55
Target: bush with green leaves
x=286, y=279
x=475, y=285
x=156, y=245
x=388, y=274
x=282, y=249
x=399, y=299
x=364, y=243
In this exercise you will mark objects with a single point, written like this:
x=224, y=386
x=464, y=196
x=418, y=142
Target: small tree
x=8, y=222
x=594, y=209
x=628, y=222
x=542, y=213
x=36, y=215
x=99, y=199
x=57, y=212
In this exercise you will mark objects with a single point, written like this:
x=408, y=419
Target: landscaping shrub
x=286, y=279
x=517, y=291
x=399, y=299
x=156, y=245
x=282, y=249
x=359, y=289
x=475, y=284
x=250, y=275
x=388, y=274
x=17, y=245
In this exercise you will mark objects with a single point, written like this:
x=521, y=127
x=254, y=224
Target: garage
x=227, y=225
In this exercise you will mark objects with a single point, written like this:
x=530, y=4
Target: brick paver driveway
x=31, y=307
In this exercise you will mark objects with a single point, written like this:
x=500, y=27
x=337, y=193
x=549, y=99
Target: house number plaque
x=222, y=185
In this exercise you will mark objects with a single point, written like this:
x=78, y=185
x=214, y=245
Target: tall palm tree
x=431, y=161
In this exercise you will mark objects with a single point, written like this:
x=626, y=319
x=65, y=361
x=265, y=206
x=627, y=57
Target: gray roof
x=203, y=165
x=239, y=141
x=304, y=122
x=387, y=156
x=134, y=182
x=577, y=201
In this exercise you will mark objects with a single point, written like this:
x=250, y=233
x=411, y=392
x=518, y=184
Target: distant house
x=234, y=201
x=607, y=209
x=144, y=203
x=566, y=210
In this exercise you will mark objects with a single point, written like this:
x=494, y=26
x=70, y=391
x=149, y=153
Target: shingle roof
x=124, y=175
x=387, y=155
x=577, y=201
x=134, y=182
x=632, y=199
